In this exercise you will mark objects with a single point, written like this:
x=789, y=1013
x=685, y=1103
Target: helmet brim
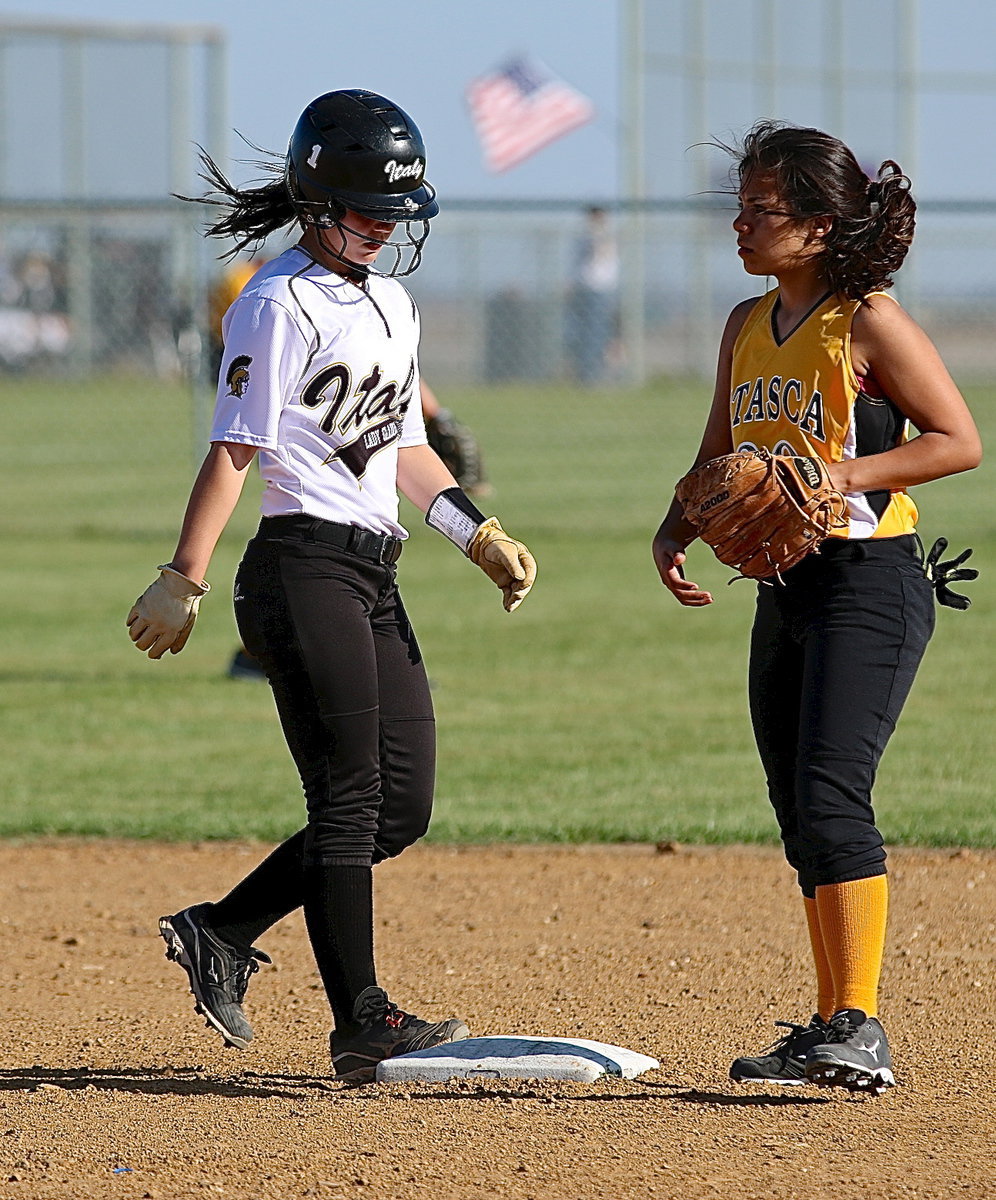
x=418, y=205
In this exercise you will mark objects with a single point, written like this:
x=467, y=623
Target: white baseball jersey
x=322, y=375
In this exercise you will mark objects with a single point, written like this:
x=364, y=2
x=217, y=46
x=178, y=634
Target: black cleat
x=218, y=972
x=385, y=1032
x=853, y=1055
x=784, y=1061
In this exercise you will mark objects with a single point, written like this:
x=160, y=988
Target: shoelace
x=243, y=970
x=785, y=1040
x=379, y=1007
x=841, y=1028
x=395, y=1017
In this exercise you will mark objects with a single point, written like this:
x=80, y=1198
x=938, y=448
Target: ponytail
x=866, y=246
x=253, y=213
x=871, y=220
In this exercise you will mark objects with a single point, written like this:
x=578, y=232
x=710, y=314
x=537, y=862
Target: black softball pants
x=834, y=652
x=331, y=632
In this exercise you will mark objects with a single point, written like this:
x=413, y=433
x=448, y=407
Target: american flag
x=520, y=108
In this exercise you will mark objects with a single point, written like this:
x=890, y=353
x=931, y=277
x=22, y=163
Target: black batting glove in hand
x=941, y=574
x=162, y=617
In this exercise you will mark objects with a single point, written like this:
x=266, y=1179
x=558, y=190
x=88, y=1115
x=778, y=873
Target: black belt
x=364, y=543
x=890, y=549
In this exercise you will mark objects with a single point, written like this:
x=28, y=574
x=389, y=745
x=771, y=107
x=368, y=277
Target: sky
x=423, y=55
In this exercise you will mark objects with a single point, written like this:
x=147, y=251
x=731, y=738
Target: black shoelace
x=243, y=970
x=841, y=1028
x=787, y=1039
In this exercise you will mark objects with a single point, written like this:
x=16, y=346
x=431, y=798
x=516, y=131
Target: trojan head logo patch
x=238, y=375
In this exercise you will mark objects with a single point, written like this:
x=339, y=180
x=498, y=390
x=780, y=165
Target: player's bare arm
x=213, y=498
x=675, y=533
x=424, y=478
x=422, y=475
x=162, y=618
x=889, y=346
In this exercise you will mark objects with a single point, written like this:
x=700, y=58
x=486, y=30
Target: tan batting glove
x=162, y=617
x=504, y=560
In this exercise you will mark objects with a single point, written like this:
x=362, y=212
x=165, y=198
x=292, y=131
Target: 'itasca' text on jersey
x=766, y=400
x=799, y=394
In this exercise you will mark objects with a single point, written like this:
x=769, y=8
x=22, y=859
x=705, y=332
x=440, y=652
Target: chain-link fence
x=94, y=288
x=597, y=294
x=108, y=338
x=504, y=294
x=503, y=297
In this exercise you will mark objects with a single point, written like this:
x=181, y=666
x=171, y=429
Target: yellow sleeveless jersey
x=801, y=396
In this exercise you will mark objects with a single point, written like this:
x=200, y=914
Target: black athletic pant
x=834, y=651
x=329, y=628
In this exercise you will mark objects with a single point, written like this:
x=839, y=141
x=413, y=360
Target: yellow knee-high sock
x=824, y=976
x=852, y=919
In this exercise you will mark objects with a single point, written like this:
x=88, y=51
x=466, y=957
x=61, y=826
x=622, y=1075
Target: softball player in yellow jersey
x=827, y=364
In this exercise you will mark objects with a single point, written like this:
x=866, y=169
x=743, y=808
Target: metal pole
x=79, y=265
x=183, y=291
x=632, y=173
x=834, y=67
x=74, y=119
x=766, y=73
x=179, y=86
x=217, y=99
x=4, y=148
x=907, y=85
x=699, y=342
x=218, y=146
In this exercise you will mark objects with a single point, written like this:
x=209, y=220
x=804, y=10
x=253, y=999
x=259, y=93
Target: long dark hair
x=816, y=175
x=251, y=213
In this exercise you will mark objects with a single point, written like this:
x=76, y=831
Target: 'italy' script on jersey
x=322, y=375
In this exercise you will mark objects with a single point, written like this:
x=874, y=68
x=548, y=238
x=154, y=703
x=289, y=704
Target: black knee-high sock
x=274, y=889
x=338, y=910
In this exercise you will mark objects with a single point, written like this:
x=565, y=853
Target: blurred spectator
x=33, y=329
x=37, y=279
x=224, y=293
x=592, y=299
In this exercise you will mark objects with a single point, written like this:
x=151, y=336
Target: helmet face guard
x=355, y=151
x=331, y=221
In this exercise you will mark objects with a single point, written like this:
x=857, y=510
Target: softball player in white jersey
x=319, y=378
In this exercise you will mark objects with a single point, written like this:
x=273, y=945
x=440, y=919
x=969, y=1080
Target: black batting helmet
x=355, y=149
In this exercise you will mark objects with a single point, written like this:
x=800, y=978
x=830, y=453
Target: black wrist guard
x=455, y=516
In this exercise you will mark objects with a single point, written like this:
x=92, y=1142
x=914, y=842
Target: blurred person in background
x=455, y=444
x=226, y=290
x=593, y=299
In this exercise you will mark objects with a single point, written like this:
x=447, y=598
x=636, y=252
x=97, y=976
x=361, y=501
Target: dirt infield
x=111, y=1087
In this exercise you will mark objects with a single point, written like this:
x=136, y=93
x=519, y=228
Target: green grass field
x=600, y=711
